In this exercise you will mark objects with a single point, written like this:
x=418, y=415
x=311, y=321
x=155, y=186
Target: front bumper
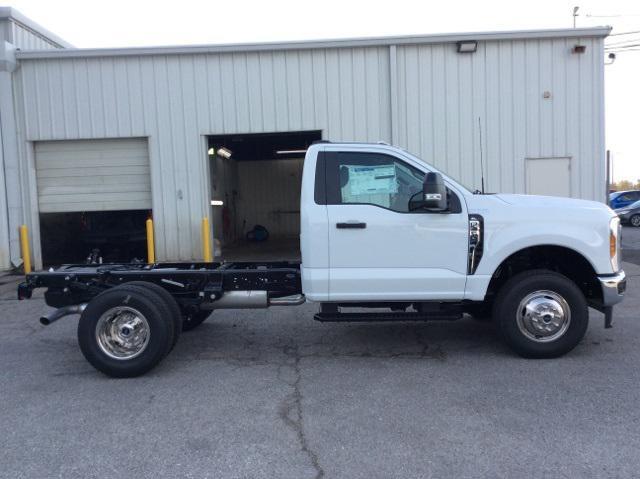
x=613, y=288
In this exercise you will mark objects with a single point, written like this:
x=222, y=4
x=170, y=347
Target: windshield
x=445, y=174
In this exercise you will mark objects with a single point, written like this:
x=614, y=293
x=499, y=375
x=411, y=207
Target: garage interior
x=93, y=237
x=255, y=194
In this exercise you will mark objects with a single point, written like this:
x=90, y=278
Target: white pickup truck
x=384, y=237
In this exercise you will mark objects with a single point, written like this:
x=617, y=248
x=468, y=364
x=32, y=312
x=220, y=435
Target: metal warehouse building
x=96, y=136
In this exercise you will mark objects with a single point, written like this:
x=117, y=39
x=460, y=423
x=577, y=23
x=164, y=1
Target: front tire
x=125, y=331
x=635, y=220
x=541, y=314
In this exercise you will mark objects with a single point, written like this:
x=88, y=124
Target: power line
x=622, y=47
x=613, y=16
x=623, y=42
x=623, y=33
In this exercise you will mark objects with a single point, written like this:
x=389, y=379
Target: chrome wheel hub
x=123, y=332
x=543, y=316
x=635, y=220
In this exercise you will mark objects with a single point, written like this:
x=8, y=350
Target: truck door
x=378, y=249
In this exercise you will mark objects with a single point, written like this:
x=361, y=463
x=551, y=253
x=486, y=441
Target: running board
x=384, y=316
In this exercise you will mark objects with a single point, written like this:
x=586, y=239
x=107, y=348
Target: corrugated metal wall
x=441, y=96
x=423, y=97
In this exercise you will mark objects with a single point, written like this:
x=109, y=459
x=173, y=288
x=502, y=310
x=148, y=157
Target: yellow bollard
x=206, y=241
x=26, y=252
x=151, y=248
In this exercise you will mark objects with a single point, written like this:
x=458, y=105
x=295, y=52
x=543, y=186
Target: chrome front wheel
x=543, y=316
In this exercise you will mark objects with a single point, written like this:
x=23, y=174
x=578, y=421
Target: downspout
x=7, y=65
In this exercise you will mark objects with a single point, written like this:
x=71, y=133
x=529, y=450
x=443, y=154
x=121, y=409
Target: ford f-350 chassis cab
x=381, y=232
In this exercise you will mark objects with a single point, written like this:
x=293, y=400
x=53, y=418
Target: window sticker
x=371, y=180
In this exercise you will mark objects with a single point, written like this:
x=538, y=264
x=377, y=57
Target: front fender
x=504, y=239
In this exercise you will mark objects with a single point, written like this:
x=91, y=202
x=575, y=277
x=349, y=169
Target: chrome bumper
x=613, y=288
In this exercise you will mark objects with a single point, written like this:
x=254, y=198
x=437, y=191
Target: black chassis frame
x=191, y=284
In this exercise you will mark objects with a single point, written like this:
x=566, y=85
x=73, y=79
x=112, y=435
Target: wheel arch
x=561, y=259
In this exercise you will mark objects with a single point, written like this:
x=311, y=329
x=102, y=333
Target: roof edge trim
x=316, y=44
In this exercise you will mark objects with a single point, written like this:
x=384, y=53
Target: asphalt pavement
x=253, y=394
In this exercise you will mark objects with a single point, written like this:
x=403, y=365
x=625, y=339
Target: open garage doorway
x=255, y=187
x=93, y=237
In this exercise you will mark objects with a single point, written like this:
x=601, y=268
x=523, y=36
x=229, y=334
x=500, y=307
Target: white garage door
x=548, y=176
x=93, y=175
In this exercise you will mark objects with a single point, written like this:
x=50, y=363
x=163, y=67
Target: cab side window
x=373, y=179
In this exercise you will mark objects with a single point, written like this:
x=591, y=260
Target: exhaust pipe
x=252, y=300
x=239, y=300
x=294, y=300
x=55, y=315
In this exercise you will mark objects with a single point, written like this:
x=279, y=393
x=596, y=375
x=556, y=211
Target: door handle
x=351, y=225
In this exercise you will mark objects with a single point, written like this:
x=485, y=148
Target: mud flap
x=608, y=317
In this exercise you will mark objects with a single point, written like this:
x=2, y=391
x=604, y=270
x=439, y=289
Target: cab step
x=334, y=317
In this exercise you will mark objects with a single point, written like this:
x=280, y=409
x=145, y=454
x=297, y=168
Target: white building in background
x=133, y=128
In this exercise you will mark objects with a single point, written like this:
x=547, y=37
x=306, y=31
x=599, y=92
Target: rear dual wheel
x=127, y=330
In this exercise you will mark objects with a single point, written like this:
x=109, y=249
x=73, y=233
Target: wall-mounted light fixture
x=211, y=152
x=224, y=152
x=217, y=202
x=579, y=49
x=467, y=47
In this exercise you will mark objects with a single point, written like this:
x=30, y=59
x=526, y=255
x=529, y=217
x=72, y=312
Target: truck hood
x=531, y=201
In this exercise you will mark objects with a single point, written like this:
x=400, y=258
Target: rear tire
x=193, y=320
x=541, y=314
x=125, y=331
x=170, y=302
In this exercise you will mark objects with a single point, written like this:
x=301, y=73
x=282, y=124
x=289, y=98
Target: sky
x=117, y=23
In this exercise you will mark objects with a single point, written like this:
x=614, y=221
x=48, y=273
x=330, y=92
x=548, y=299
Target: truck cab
x=363, y=243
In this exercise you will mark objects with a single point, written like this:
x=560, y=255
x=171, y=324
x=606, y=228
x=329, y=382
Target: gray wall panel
x=442, y=94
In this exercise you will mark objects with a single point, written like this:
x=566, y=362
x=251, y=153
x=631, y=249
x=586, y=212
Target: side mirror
x=434, y=195
x=434, y=192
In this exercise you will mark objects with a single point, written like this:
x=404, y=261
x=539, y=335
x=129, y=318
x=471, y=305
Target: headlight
x=614, y=243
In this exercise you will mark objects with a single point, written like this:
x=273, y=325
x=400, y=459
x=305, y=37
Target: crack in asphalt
x=291, y=411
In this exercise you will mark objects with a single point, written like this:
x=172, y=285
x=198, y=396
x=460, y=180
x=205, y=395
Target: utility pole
x=575, y=15
x=609, y=176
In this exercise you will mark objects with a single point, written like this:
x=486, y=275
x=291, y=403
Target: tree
x=623, y=185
